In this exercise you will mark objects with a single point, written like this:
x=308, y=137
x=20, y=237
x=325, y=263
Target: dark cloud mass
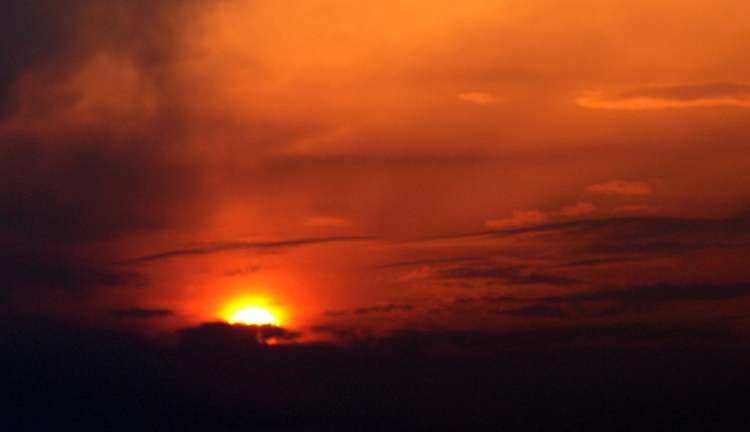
x=508, y=274
x=608, y=300
x=138, y=312
x=28, y=272
x=378, y=309
x=537, y=311
x=223, y=377
x=44, y=33
x=647, y=297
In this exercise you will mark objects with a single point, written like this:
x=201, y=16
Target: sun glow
x=253, y=316
x=253, y=311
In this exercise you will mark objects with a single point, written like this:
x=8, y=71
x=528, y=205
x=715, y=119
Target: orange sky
x=399, y=164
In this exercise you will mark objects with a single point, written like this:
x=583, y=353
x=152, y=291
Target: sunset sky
x=374, y=215
x=364, y=168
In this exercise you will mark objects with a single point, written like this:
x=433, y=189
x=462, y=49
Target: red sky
x=401, y=164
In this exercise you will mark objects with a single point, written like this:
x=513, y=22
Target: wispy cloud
x=479, y=98
x=674, y=96
x=505, y=273
x=367, y=310
x=604, y=301
x=233, y=246
x=536, y=311
x=621, y=187
x=579, y=209
x=640, y=298
x=633, y=236
x=142, y=313
x=519, y=218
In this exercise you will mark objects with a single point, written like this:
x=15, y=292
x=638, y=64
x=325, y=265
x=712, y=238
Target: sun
x=253, y=310
x=253, y=316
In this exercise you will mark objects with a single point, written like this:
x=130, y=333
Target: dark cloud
x=660, y=293
x=91, y=181
x=652, y=224
x=217, y=376
x=536, y=311
x=233, y=246
x=100, y=187
x=386, y=308
x=210, y=336
x=30, y=32
x=138, y=312
x=590, y=262
x=646, y=297
x=637, y=298
x=509, y=274
x=606, y=301
x=429, y=262
x=560, y=338
x=36, y=273
x=53, y=34
x=636, y=235
x=82, y=184
x=498, y=299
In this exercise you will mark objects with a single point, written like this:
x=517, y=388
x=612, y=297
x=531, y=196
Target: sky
x=365, y=168
x=336, y=215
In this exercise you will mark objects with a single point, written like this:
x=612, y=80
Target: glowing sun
x=253, y=316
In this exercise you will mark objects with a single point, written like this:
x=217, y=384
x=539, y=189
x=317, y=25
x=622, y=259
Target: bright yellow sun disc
x=253, y=316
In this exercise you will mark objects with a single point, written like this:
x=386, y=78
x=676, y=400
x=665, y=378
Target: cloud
x=641, y=234
x=579, y=209
x=508, y=274
x=38, y=272
x=607, y=301
x=536, y=311
x=430, y=262
x=141, y=313
x=522, y=218
x=676, y=96
x=234, y=246
x=635, y=298
x=597, y=261
x=387, y=308
x=479, y=98
x=518, y=219
x=561, y=338
x=208, y=337
x=621, y=187
x=660, y=294
x=384, y=308
x=594, y=252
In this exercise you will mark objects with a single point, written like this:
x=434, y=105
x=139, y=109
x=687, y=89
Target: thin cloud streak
x=645, y=222
x=141, y=313
x=234, y=246
x=671, y=97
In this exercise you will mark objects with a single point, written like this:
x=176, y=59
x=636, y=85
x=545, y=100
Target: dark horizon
x=219, y=376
